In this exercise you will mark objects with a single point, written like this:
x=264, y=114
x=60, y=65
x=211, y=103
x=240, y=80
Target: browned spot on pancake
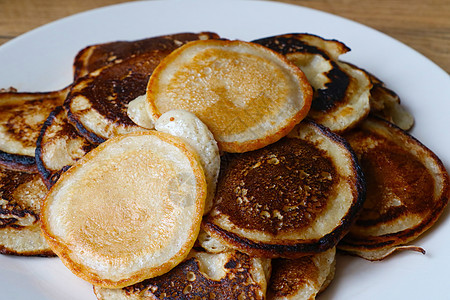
x=114, y=52
x=115, y=86
x=278, y=188
x=186, y=281
x=397, y=182
x=291, y=275
x=11, y=210
x=23, y=122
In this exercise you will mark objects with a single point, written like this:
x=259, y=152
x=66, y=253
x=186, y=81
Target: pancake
x=128, y=210
x=304, y=43
x=248, y=96
x=341, y=91
x=20, y=204
x=21, y=118
x=230, y=275
x=385, y=103
x=407, y=190
x=187, y=126
x=292, y=198
x=58, y=147
x=302, y=278
x=94, y=57
x=97, y=103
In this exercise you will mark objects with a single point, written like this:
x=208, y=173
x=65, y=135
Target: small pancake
x=302, y=278
x=293, y=198
x=97, y=103
x=304, y=43
x=407, y=189
x=58, y=147
x=341, y=91
x=386, y=104
x=187, y=126
x=128, y=210
x=230, y=275
x=248, y=96
x=20, y=204
x=97, y=56
x=21, y=118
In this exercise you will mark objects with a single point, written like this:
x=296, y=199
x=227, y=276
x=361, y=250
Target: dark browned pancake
x=21, y=118
x=97, y=103
x=407, y=189
x=295, y=197
x=230, y=275
x=341, y=91
x=302, y=278
x=20, y=204
x=58, y=147
x=97, y=56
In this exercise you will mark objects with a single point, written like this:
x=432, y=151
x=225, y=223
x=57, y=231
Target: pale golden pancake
x=292, y=198
x=94, y=57
x=21, y=118
x=302, y=278
x=248, y=96
x=230, y=275
x=407, y=190
x=128, y=210
x=20, y=204
x=58, y=147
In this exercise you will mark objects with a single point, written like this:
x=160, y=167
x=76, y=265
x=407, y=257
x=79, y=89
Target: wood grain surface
x=424, y=25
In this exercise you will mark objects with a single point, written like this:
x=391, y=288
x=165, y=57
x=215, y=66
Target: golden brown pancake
x=20, y=204
x=292, y=198
x=302, y=278
x=341, y=91
x=21, y=118
x=248, y=95
x=407, y=189
x=97, y=56
x=230, y=275
x=97, y=103
x=128, y=210
x=58, y=147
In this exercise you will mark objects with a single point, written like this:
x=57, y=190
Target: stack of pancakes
x=189, y=166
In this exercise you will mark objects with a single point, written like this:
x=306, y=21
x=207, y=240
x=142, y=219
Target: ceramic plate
x=41, y=60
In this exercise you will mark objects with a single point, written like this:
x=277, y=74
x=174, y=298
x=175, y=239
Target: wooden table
x=421, y=24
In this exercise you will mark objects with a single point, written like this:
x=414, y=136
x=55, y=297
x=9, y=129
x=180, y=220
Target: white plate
x=42, y=60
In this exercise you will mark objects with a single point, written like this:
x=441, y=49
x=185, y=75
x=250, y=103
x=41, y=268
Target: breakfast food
x=407, y=189
x=97, y=103
x=97, y=56
x=293, y=198
x=247, y=95
x=58, y=146
x=149, y=127
x=138, y=201
x=385, y=103
x=341, y=91
x=302, y=278
x=188, y=127
x=21, y=118
x=20, y=204
x=230, y=275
